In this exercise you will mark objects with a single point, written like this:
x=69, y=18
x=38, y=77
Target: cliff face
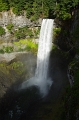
x=8, y=17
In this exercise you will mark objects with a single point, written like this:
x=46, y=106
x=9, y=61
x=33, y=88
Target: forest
x=43, y=8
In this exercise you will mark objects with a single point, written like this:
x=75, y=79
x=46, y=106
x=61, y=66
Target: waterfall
x=45, y=44
x=41, y=79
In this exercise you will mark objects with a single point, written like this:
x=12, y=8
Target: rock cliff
x=8, y=17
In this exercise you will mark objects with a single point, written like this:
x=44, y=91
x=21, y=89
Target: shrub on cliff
x=2, y=31
x=6, y=49
x=10, y=27
x=21, y=33
x=26, y=45
x=4, y=6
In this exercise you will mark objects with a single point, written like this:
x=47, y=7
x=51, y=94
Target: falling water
x=41, y=79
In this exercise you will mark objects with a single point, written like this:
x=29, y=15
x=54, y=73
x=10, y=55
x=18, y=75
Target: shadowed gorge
x=45, y=87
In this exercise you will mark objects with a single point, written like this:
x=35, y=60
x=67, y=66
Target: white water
x=41, y=79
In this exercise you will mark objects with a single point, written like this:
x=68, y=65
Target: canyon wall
x=8, y=17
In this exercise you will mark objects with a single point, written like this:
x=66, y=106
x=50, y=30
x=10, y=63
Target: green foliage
x=2, y=31
x=31, y=46
x=29, y=12
x=21, y=33
x=21, y=44
x=33, y=18
x=64, y=15
x=35, y=9
x=56, y=31
x=17, y=11
x=3, y=6
x=54, y=48
x=10, y=27
x=6, y=49
x=36, y=32
x=64, y=8
x=30, y=33
x=15, y=65
x=26, y=45
x=1, y=51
